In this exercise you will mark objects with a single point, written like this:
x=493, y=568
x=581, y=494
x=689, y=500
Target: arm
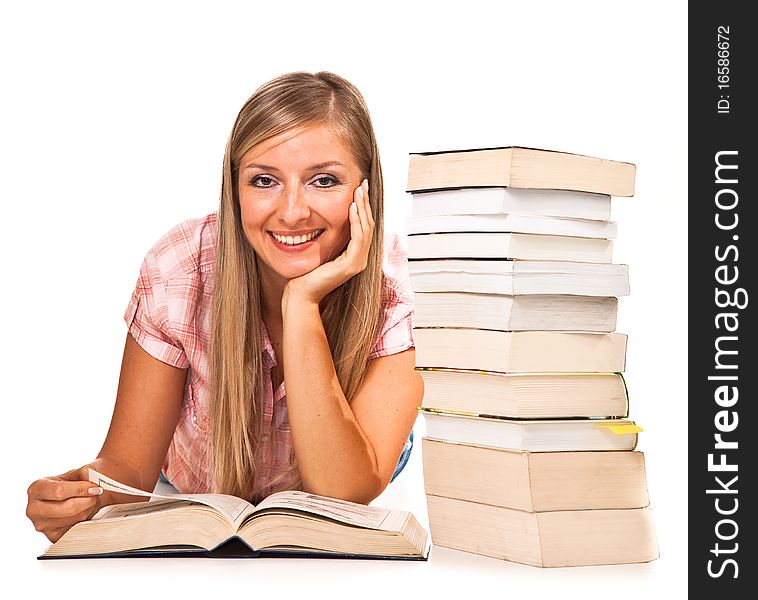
x=148, y=402
x=345, y=450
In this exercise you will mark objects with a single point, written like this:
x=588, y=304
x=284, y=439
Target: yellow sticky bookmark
x=622, y=429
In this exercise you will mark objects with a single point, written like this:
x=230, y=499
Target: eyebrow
x=331, y=163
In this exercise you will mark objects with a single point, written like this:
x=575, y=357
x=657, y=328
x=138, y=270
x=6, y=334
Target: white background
x=114, y=121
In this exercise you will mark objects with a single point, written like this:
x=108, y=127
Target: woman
x=286, y=283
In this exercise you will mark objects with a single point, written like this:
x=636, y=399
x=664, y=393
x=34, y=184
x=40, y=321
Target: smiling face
x=294, y=192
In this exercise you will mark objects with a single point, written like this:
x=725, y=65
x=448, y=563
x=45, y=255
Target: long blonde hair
x=351, y=313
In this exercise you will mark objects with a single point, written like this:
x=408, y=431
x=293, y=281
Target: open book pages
x=235, y=510
x=286, y=523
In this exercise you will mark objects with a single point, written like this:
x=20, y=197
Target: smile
x=296, y=240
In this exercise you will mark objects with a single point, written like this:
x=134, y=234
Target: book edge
x=516, y=147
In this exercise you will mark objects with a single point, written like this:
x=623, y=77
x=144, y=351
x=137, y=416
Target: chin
x=292, y=271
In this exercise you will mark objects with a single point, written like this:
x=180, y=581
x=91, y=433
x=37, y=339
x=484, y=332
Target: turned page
x=231, y=508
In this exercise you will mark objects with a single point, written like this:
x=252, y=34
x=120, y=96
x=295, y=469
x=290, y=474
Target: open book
x=289, y=523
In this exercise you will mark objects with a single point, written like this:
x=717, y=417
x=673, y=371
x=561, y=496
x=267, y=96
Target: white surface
x=114, y=120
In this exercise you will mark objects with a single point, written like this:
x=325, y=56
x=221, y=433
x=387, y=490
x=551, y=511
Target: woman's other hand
x=58, y=503
x=313, y=286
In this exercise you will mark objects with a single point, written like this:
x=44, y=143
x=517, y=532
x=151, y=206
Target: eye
x=262, y=181
x=324, y=181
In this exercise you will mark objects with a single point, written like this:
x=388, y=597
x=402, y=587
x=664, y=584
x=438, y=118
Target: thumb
x=77, y=474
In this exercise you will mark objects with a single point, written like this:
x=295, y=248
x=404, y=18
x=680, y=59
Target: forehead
x=301, y=148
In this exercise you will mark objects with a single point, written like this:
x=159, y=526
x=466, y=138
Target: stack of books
x=529, y=454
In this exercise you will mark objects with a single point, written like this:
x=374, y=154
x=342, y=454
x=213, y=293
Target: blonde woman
x=291, y=281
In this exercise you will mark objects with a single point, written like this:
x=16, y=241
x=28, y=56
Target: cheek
x=253, y=214
x=248, y=222
x=341, y=221
x=251, y=228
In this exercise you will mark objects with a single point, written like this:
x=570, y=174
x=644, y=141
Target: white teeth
x=298, y=239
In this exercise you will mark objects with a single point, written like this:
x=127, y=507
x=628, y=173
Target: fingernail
x=354, y=206
x=95, y=491
x=360, y=193
x=365, y=184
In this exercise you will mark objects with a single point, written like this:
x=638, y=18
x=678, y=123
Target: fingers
x=56, y=489
x=361, y=227
x=57, y=503
x=356, y=231
x=77, y=474
x=56, y=510
x=55, y=528
x=44, y=520
x=55, y=534
x=369, y=212
x=363, y=207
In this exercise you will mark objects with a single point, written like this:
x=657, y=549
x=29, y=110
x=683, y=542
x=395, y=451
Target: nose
x=294, y=208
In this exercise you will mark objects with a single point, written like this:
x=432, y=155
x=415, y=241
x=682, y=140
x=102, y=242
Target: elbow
x=371, y=490
x=360, y=492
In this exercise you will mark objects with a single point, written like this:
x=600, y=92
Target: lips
x=295, y=239
x=296, y=242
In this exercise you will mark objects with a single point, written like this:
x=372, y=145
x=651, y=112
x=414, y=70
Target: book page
x=119, y=511
x=350, y=513
x=232, y=508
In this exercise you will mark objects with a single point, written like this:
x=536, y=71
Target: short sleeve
x=396, y=333
x=147, y=316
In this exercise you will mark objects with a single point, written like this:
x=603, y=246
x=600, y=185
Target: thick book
x=525, y=395
x=513, y=277
x=569, y=435
x=512, y=223
x=520, y=351
x=520, y=246
x=519, y=167
x=568, y=538
x=535, y=481
x=529, y=312
x=291, y=523
x=513, y=201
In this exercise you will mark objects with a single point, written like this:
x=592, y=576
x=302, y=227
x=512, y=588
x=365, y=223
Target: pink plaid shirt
x=169, y=316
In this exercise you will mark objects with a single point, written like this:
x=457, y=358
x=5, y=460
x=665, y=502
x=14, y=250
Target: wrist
x=294, y=298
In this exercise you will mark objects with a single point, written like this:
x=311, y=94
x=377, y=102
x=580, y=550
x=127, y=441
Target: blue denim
x=400, y=463
x=403, y=457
